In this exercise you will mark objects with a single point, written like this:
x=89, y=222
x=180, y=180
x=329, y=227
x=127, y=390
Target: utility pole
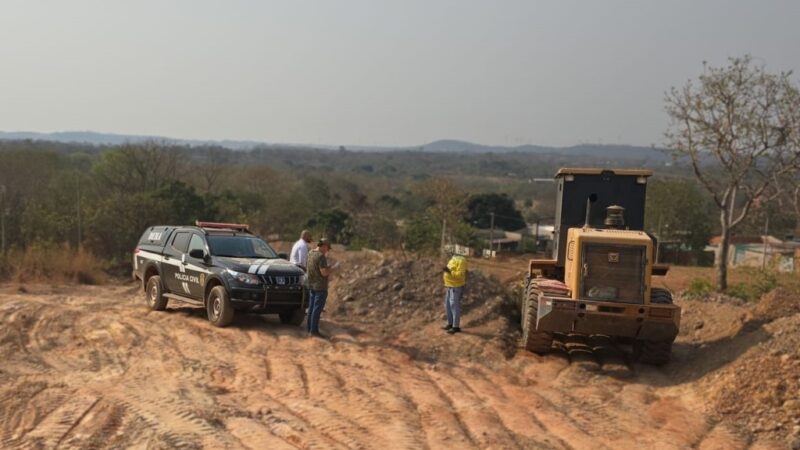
x=79, y=212
x=3, y=220
x=766, y=231
x=660, y=239
x=491, y=232
x=444, y=227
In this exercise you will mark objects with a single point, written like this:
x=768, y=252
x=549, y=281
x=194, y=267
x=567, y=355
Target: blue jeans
x=452, y=305
x=316, y=303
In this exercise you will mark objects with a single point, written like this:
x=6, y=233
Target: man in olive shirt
x=318, y=273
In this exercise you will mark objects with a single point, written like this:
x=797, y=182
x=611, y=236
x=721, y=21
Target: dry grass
x=745, y=283
x=52, y=264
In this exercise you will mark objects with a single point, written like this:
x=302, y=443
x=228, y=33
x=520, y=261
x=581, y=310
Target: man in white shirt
x=299, y=255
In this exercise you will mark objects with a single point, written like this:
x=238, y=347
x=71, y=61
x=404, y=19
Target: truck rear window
x=181, y=242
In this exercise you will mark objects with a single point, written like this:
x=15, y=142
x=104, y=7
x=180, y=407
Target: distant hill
x=93, y=138
x=642, y=155
x=614, y=152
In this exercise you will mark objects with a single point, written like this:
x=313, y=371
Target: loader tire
x=533, y=340
x=660, y=296
x=655, y=353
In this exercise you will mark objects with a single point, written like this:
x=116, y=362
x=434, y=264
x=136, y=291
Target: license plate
x=280, y=280
x=591, y=307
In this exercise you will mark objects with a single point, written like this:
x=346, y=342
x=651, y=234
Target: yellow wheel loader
x=598, y=280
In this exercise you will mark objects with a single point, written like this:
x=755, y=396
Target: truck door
x=174, y=257
x=196, y=268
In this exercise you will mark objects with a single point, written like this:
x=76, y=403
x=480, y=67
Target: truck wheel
x=532, y=340
x=656, y=353
x=218, y=307
x=293, y=317
x=155, y=294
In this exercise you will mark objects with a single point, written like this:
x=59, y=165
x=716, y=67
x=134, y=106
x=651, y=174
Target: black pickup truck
x=221, y=267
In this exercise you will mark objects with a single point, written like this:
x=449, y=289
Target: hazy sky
x=372, y=72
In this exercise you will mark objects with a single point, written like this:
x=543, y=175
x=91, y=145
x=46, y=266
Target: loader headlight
x=246, y=278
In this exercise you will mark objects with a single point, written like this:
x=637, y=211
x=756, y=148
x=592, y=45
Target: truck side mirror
x=283, y=256
x=197, y=254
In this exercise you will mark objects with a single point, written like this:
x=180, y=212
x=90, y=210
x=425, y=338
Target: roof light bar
x=227, y=226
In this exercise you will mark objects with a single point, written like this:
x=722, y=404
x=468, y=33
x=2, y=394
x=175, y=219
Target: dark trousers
x=316, y=303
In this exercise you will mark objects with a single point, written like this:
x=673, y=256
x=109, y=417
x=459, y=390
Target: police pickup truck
x=221, y=267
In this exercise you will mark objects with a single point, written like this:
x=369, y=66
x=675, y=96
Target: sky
x=366, y=72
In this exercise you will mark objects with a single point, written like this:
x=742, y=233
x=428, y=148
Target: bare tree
x=140, y=166
x=738, y=127
x=213, y=168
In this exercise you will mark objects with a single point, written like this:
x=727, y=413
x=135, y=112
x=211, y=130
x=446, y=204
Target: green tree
x=423, y=235
x=481, y=206
x=333, y=224
x=139, y=167
x=679, y=209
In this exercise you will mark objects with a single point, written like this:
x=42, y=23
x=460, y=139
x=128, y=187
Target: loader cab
x=603, y=188
x=600, y=242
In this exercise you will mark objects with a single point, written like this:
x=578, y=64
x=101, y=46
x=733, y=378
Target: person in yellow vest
x=455, y=277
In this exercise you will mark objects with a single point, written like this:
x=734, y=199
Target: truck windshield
x=240, y=247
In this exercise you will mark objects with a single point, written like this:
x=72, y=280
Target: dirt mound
x=778, y=303
x=404, y=298
x=760, y=390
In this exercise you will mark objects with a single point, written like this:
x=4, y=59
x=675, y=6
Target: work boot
x=454, y=330
x=447, y=327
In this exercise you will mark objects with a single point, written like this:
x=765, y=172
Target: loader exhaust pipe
x=589, y=200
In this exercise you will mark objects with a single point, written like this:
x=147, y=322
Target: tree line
x=734, y=134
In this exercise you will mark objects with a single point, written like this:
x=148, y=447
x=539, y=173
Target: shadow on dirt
x=267, y=323
x=691, y=362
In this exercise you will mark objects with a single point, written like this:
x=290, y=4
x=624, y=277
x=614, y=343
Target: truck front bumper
x=268, y=298
x=651, y=322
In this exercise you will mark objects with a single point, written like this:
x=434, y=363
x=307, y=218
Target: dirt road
x=90, y=367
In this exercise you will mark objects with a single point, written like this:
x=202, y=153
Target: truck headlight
x=246, y=278
x=303, y=279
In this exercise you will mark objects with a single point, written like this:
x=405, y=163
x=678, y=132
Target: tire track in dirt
x=97, y=370
x=529, y=431
x=486, y=427
x=445, y=404
x=551, y=416
x=53, y=428
x=384, y=408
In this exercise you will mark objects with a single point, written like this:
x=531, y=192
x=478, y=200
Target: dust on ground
x=91, y=367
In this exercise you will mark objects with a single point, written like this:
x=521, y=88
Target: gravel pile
x=403, y=300
x=761, y=388
x=403, y=293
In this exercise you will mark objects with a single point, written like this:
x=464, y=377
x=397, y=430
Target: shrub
x=761, y=283
x=700, y=287
x=54, y=263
